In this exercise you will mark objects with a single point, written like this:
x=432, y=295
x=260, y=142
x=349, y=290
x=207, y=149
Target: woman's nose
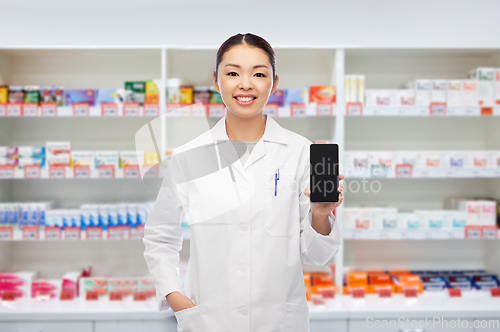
x=245, y=83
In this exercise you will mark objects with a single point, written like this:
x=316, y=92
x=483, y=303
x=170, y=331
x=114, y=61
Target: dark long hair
x=248, y=39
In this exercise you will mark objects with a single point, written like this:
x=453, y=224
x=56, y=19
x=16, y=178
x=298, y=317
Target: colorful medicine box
x=277, y=97
x=137, y=92
x=79, y=96
x=322, y=94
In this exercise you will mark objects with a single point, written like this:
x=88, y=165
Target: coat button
x=244, y=228
x=243, y=269
x=244, y=311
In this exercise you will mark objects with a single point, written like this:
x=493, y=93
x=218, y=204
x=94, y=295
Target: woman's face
x=245, y=80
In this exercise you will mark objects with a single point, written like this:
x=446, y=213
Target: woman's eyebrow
x=237, y=66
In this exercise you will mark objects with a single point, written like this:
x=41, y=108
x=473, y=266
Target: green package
x=32, y=94
x=138, y=92
x=215, y=98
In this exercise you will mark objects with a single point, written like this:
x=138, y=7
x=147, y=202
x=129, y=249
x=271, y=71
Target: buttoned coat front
x=249, y=233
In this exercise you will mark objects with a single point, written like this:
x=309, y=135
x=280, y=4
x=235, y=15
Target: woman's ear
x=216, y=85
x=275, y=85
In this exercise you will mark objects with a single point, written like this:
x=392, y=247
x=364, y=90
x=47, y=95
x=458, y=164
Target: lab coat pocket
x=281, y=207
x=188, y=320
x=297, y=317
x=212, y=196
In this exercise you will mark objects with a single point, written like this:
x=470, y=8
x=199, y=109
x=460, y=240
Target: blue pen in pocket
x=276, y=178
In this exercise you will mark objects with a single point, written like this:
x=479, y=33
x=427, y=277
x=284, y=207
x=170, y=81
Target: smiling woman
x=245, y=75
x=252, y=222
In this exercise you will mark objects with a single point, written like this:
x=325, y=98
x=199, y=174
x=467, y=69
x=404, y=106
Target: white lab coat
x=244, y=272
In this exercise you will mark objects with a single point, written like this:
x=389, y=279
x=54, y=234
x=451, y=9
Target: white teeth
x=244, y=98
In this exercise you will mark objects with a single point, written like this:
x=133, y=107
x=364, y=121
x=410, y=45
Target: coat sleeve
x=315, y=248
x=163, y=237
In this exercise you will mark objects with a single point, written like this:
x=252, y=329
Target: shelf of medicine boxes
x=411, y=234
x=391, y=68
x=405, y=171
x=127, y=309
x=412, y=128
x=472, y=305
x=355, y=109
x=35, y=233
x=153, y=110
x=66, y=172
x=83, y=110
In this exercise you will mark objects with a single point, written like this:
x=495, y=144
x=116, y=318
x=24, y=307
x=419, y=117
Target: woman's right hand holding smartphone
x=178, y=301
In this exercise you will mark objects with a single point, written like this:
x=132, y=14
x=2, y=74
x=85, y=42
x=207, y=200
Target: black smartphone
x=324, y=173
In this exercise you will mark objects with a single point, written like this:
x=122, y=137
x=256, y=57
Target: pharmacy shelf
x=419, y=111
x=384, y=68
x=79, y=309
x=348, y=234
x=312, y=109
x=407, y=234
x=41, y=234
x=422, y=173
x=332, y=309
x=127, y=309
x=472, y=305
x=134, y=173
x=92, y=111
x=71, y=173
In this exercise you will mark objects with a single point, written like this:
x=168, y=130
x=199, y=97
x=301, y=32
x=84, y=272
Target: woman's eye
x=231, y=74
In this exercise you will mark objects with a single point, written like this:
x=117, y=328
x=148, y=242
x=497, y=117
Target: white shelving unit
x=460, y=129
x=384, y=68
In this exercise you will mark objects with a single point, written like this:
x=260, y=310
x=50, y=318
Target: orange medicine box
x=319, y=283
x=408, y=281
x=357, y=279
x=315, y=289
x=316, y=275
x=379, y=279
x=374, y=289
x=348, y=289
x=401, y=289
x=322, y=280
x=312, y=279
x=326, y=291
x=322, y=94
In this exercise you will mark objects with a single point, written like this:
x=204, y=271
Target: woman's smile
x=245, y=100
x=246, y=80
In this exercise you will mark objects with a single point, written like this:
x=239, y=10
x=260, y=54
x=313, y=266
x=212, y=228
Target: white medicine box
x=422, y=92
x=439, y=91
x=485, y=78
x=455, y=93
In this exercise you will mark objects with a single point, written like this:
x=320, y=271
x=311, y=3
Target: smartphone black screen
x=324, y=173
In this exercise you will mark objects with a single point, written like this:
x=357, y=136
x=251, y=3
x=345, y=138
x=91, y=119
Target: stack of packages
x=397, y=281
x=320, y=286
x=21, y=156
x=126, y=288
x=459, y=213
x=26, y=285
x=481, y=88
x=371, y=282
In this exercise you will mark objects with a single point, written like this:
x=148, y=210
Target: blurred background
x=409, y=90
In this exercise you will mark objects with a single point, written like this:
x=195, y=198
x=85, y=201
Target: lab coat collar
x=272, y=133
